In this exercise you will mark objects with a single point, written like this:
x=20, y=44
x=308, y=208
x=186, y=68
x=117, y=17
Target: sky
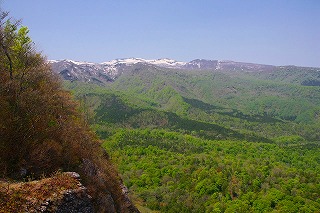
x=277, y=32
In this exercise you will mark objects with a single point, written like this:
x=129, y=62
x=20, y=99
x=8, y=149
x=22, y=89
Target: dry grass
x=28, y=196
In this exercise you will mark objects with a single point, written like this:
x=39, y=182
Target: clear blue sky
x=279, y=32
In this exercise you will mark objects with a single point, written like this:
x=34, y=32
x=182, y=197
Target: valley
x=206, y=136
x=214, y=107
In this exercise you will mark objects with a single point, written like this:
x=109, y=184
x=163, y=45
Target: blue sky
x=279, y=32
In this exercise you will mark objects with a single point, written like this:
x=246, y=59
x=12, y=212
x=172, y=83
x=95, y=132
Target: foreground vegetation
x=42, y=129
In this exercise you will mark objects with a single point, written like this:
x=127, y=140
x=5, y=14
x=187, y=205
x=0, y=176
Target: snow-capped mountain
x=169, y=63
x=81, y=71
x=110, y=70
x=106, y=71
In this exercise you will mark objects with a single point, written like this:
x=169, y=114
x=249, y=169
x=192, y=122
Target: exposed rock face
x=108, y=201
x=61, y=193
x=64, y=193
x=70, y=201
x=76, y=200
x=129, y=207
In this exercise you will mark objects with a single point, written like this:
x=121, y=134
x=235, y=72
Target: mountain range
x=109, y=71
x=212, y=88
x=205, y=135
x=246, y=91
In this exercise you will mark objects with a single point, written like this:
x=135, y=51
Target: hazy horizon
x=275, y=32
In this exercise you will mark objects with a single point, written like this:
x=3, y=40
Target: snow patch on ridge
x=80, y=62
x=158, y=62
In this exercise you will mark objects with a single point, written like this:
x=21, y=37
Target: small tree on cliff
x=40, y=127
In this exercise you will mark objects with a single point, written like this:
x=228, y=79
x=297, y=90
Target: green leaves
x=225, y=176
x=22, y=43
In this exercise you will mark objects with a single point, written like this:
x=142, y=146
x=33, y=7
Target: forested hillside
x=174, y=172
x=43, y=132
x=160, y=135
x=211, y=141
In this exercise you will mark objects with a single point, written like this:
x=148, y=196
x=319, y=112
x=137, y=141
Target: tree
x=39, y=119
x=41, y=128
x=34, y=107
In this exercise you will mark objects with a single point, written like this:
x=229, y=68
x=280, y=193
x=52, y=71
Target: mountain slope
x=243, y=101
x=101, y=73
x=215, y=140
